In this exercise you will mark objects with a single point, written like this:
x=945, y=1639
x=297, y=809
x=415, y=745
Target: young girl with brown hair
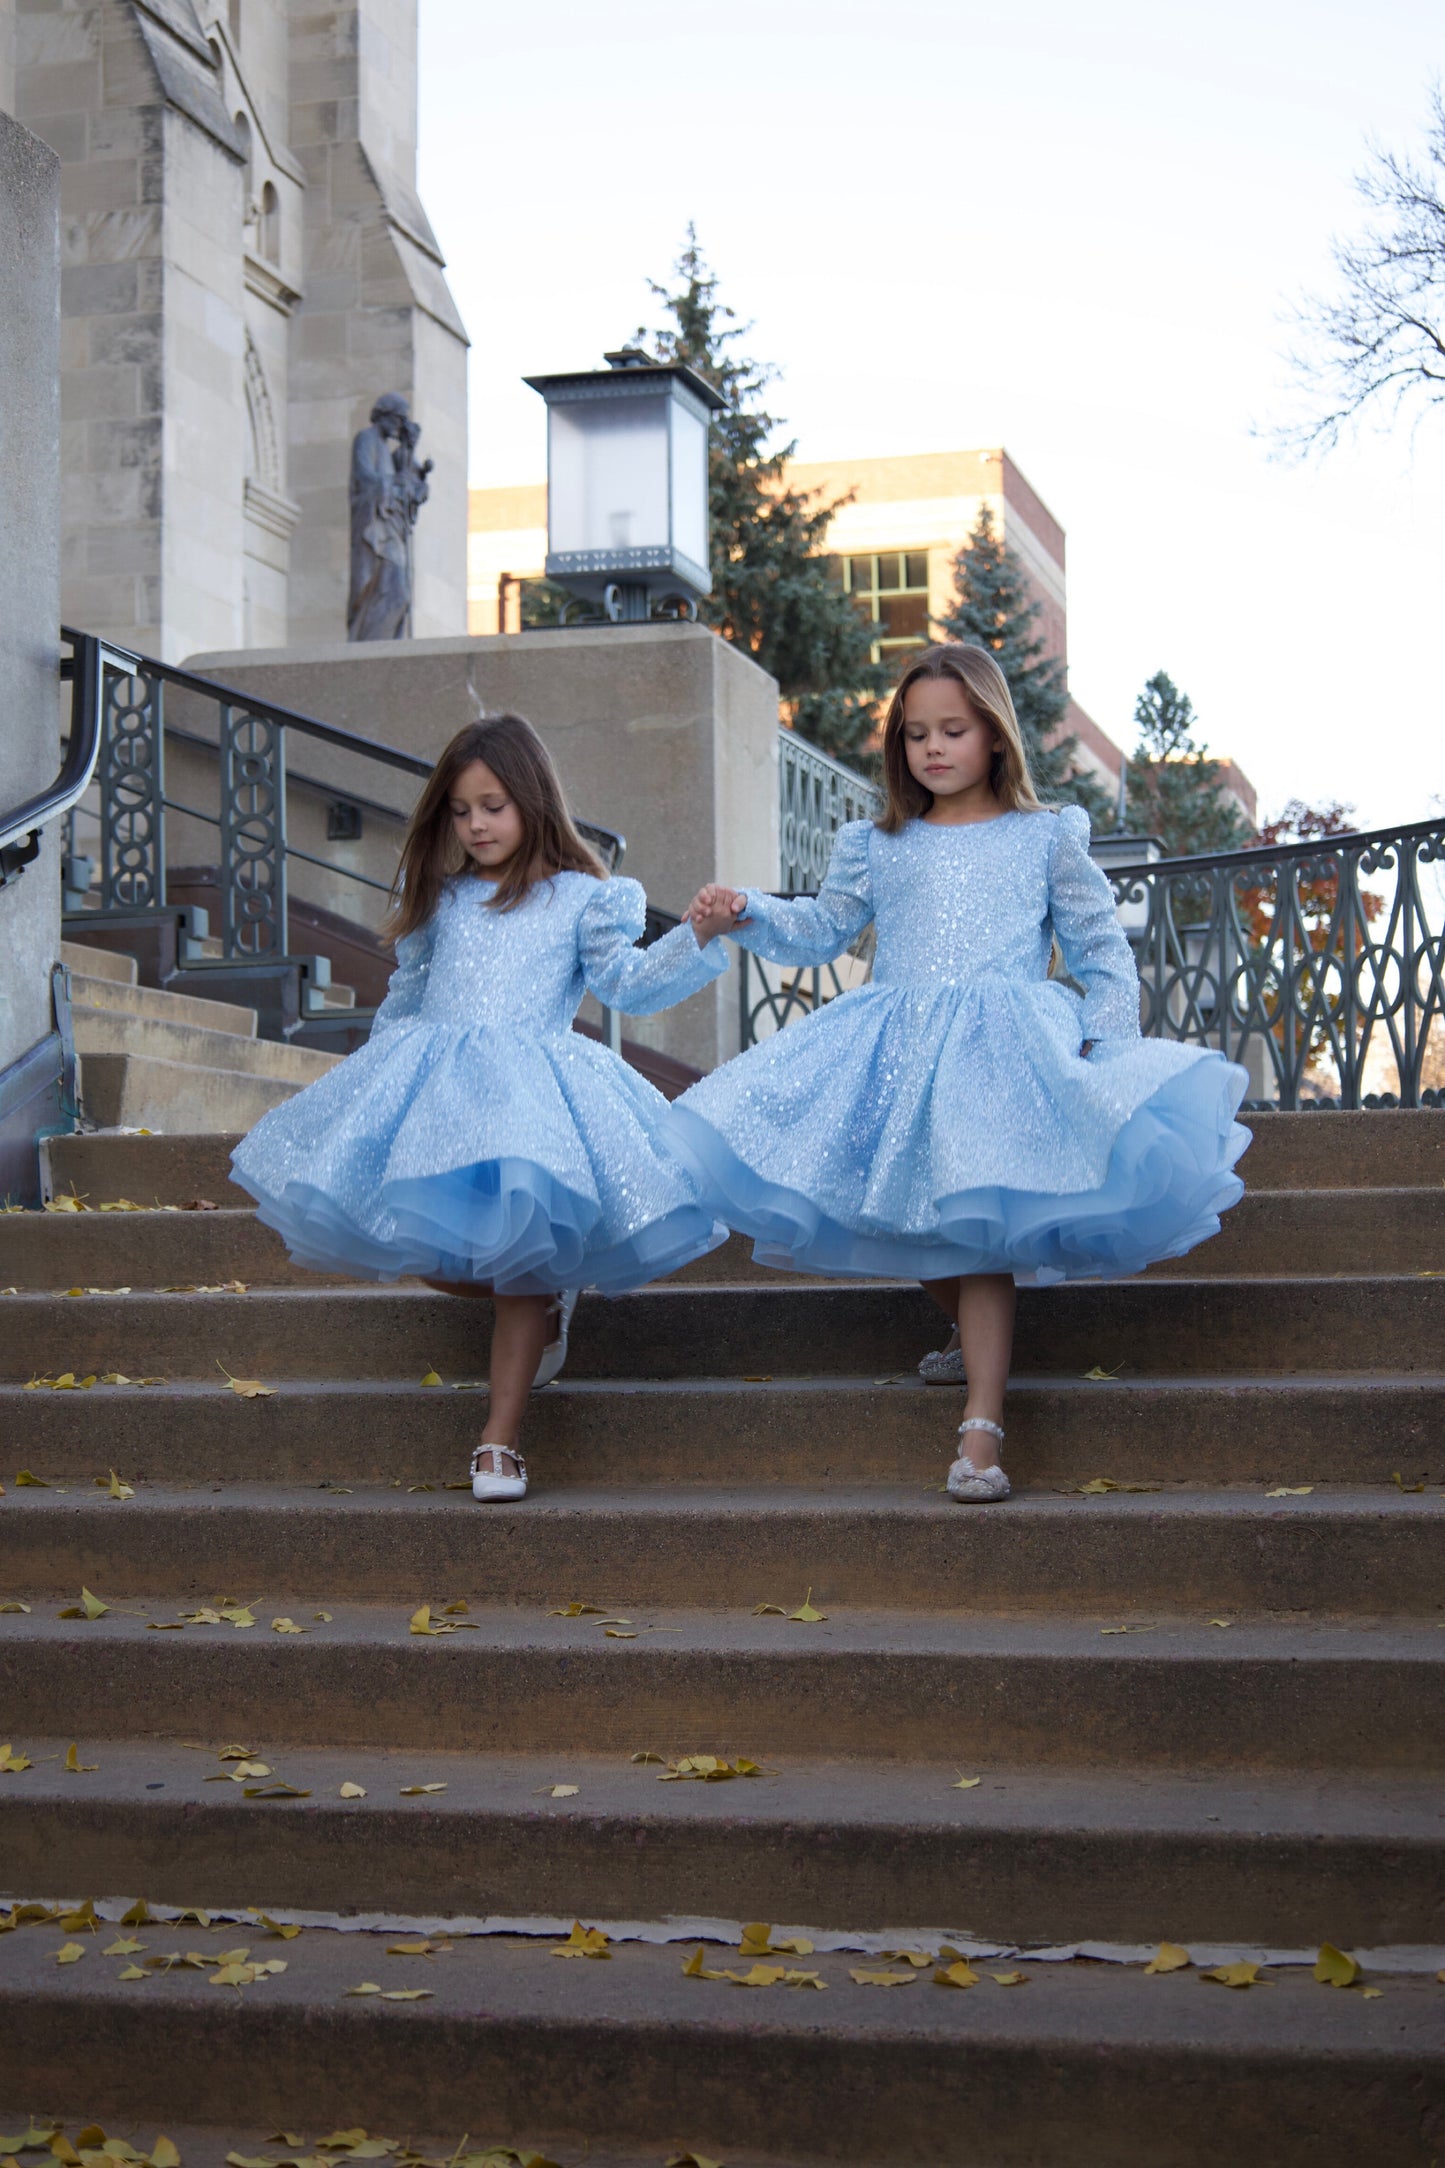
x=965, y=1119
x=476, y=1140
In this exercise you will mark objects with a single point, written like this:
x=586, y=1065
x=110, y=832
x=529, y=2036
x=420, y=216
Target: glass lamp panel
x=607, y=474
x=689, y=483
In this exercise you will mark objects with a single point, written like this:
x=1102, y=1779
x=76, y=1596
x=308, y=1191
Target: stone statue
x=388, y=489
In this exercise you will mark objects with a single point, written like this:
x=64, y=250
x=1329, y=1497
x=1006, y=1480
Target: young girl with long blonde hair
x=965, y=1119
x=476, y=1140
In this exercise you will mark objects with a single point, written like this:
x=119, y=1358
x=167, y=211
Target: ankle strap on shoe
x=979, y=1422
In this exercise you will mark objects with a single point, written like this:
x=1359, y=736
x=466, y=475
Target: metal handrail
x=20, y=826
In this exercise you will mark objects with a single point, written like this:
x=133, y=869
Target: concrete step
x=134, y=1090
x=1031, y=1855
x=1333, y=1554
x=1172, y=1693
x=170, y=1169
x=107, y=1031
x=1062, y=1432
x=1268, y=1236
x=99, y=963
x=1160, y=2073
x=152, y=1004
x=1390, y=1325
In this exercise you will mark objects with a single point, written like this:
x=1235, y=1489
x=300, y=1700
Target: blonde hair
x=986, y=689
x=431, y=853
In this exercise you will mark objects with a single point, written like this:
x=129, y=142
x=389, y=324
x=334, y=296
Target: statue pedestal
x=661, y=731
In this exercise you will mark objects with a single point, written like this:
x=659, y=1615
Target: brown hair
x=986, y=689
x=431, y=854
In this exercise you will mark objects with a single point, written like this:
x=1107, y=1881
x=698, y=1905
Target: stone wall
x=29, y=577
x=7, y=56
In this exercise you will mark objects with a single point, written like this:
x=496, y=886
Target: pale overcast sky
x=1071, y=232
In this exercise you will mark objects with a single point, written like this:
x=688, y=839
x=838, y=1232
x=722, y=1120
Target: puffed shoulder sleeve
x=406, y=989
x=639, y=981
x=815, y=929
x=1081, y=908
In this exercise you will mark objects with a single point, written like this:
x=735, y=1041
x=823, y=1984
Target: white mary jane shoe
x=944, y=1367
x=977, y=1486
x=488, y=1484
x=554, y=1354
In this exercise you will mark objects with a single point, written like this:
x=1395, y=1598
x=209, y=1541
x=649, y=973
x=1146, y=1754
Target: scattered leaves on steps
x=69, y=1953
x=1169, y=1957
x=67, y=1382
x=112, y=1485
x=13, y=1764
x=578, y=1610
x=13, y=1603
x=245, y=1388
x=709, y=1769
x=805, y=1615
x=74, y=1766
x=1334, y=1968
x=757, y=1942
x=957, y=1974
x=1100, y=1485
x=89, y=1607
x=1238, y=1975
x=1411, y=1490
x=865, y=1976
x=584, y=1942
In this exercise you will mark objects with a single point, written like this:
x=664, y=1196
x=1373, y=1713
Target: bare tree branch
x=1376, y=348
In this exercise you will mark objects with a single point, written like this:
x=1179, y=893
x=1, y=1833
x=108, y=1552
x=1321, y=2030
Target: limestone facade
x=246, y=267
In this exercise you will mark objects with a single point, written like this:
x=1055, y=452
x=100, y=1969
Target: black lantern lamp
x=627, y=491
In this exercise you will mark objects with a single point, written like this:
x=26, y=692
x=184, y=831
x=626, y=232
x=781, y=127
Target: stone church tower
x=246, y=267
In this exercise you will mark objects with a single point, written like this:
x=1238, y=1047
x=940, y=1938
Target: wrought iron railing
x=1318, y=966
x=182, y=758
x=817, y=794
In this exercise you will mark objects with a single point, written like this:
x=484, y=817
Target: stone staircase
x=1209, y=1709
x=159, y=1060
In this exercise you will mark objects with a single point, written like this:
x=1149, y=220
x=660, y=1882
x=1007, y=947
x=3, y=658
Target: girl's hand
x=714, y=910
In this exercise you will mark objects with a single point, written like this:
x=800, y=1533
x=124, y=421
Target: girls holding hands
x=965, y=1119
x=476, y=1140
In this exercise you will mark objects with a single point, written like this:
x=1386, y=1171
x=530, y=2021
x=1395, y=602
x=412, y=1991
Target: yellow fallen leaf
x=965, y=1784
x=246, y=1388
x=279, y=1789
x=273, y=1927
x=405, y=1994
x=89, y=1607
x=1335, y=1968
x=805, y=1615
x=365, y=1987
x=26, y=1481
x=74, y=1766
x=13, y=1764
x=647, y=1757
x=69, y=1953
x=84, y=1916
x=115, y=1488
x=956, y=1975
x=682, y=2160
x=353, y=1791
x=695, y=1969
x=768, y=1610
x=1288, y=1490
x=1221, y=1622
x=866, y=1978
x=578, y=1610
x=708, y=1769
x=1237, y=1975
x=238, y=1614
x=132, y=1972
x=139, y=1915
x=420, y=1948
x=919, y=1959
x=288, y=1626
x=123, y=1946
x=758, y=1976
x=431, y=1378
x=1010, y=1979
x=73, y=1201
x=323, y=1616
x=560, y=1791
x=793, y=1978
x=414, y=1791
x=1371, y=1994
x=584, y=1942
x=421, y=1621
x=618, y=1633
x=13, y=1603
x=164, y=2154
x=1169, y=1957
x=1410, y=1489
x=1100, y=1376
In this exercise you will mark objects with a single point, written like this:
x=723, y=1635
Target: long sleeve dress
x=940, y=1120
x=476, y=1136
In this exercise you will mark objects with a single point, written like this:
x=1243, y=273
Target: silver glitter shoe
x=977, y=1486
x=943, y=1367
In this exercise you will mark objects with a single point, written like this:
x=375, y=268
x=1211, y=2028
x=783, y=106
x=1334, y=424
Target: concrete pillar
x=7, y=56
x=663, y=732
x=29, y=621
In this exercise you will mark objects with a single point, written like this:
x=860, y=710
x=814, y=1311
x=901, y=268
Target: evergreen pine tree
x=772, y=591
x=1175, y=791
x=994, y=607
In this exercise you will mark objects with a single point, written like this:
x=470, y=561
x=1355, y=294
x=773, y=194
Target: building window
x=890, y=589
x=269, y=236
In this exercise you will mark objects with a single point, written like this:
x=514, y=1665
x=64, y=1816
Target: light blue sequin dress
x=476, y=1136
x=940, y=1120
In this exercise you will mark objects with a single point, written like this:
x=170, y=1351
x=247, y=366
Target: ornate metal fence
x=817, y=794
x=1318, y=966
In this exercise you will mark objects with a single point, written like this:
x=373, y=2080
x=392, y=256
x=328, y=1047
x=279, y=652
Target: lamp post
x=627, y=492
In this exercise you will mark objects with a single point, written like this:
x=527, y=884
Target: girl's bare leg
x=521, y=1325
x=945, y=1293
x=986, y=1305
